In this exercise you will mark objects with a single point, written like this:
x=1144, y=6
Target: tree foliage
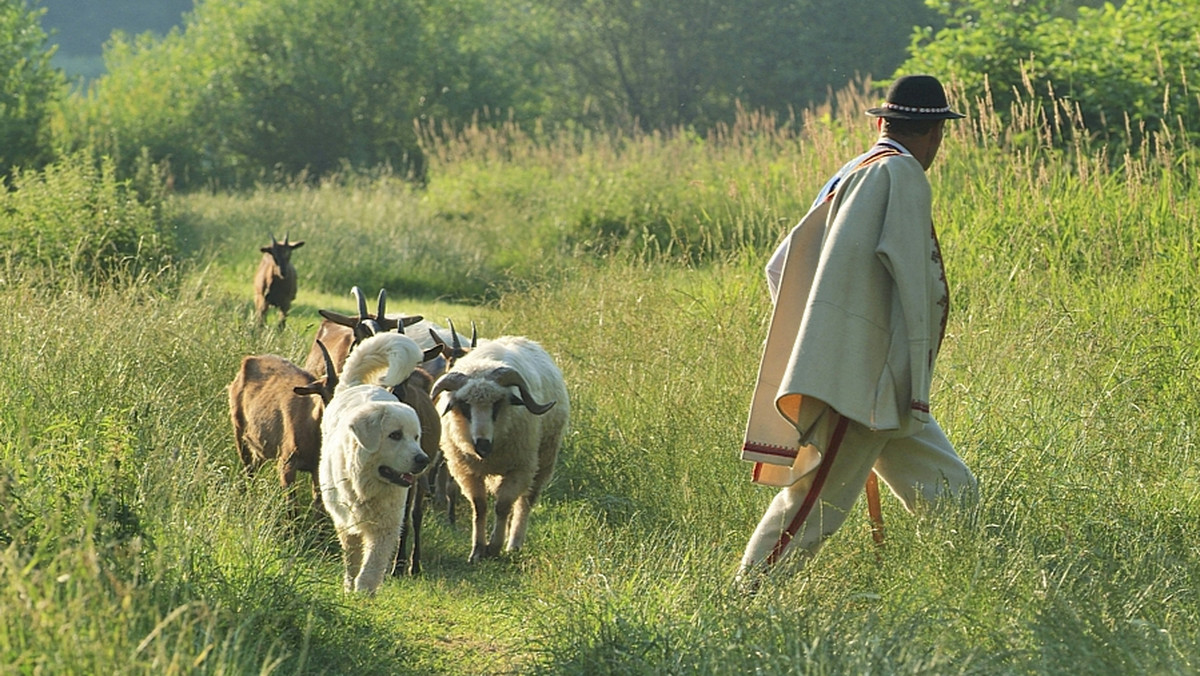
x=663, y=63
x=1120, y=68
x=28, y=87
x=311, y=86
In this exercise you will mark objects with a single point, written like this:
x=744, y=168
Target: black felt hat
x=916, y=97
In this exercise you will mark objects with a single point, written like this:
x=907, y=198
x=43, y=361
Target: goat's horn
x=474, y=336
x=274, y=242
x=449, y=382
x=437, y=339
x=382, y=304
x=456, y=344
x=510, y=377
x=338, y=318
x=362, y=302
x=331, y=376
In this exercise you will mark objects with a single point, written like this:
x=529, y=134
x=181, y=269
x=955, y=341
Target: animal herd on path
x=388, y=411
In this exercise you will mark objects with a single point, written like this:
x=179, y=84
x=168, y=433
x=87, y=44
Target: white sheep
x=505, y=412
x=275, y=279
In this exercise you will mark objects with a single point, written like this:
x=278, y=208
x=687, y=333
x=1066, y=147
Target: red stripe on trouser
x=811, y=498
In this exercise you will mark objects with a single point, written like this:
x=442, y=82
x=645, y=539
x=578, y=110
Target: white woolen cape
x=857, y=321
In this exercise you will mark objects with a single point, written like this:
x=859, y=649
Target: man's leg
x=778, y=532
x=924, y=468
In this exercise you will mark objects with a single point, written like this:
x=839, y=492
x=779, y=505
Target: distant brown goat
x=275, y=416
x=275, y=280
x=341, y=332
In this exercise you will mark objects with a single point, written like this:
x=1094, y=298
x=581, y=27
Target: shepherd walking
x=861, y=302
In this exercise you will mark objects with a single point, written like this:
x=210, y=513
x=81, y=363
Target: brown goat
x=341, y=332
x=276, y=416
x=415, y=393
x=275, y=280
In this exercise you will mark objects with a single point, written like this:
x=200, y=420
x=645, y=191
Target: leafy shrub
x=74, y=222
x=1119, y=71
x=28, y=84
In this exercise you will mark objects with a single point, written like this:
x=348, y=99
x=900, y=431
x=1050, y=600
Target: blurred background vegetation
x=158, y=97
x=230, y=92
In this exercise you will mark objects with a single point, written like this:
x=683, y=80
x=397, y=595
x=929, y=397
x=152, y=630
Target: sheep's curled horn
x=503, y=376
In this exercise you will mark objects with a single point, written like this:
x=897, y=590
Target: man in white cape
x=860, y=299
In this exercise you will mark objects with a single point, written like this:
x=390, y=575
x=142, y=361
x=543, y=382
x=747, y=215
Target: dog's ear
x=367, y=426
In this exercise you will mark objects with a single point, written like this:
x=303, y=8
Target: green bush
x=28, y=86
x=74, y=222
x=1118, y=71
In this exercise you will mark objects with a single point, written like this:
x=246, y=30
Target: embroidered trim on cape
x=768, y=449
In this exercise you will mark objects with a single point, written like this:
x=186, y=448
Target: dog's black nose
x=420, y=463
x=483, y=447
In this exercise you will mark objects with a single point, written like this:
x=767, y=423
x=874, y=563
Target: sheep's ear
x=366, y=426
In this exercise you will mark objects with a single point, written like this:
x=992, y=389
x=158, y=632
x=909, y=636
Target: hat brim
x=893, y=114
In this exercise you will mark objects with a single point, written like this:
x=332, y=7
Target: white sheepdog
x=370, y=452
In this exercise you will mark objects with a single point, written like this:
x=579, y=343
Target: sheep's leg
x=524, y=503
x=518, y=524
x=446, y=491
x=352, y=555
x=507, y=493
x=475, y=492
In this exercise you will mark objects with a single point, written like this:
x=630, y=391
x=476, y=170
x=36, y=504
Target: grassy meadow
x=130, y=543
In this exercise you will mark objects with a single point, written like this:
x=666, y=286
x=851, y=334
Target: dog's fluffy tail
x=385, y=359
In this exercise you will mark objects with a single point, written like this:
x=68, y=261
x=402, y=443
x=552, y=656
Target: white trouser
x=919, y=468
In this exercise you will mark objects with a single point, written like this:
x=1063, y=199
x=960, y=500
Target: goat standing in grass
x=276, y=416
x=504, y=415
x=275, y=280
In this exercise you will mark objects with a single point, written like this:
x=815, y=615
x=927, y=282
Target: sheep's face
x=475, y=409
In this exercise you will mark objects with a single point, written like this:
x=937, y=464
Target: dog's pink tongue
x=409, y=478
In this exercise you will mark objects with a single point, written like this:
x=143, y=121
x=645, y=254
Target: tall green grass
x=130, y=543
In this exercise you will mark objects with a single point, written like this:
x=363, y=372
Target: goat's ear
x=297, y=245
x=411, y=319
x=431, y=353
x=311, y=388
x=265, y=249
x=399, y=391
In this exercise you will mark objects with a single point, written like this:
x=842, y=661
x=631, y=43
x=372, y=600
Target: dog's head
x=389, y=437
